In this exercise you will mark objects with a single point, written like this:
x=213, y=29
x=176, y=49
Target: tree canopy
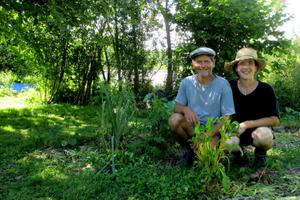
x=68, y=47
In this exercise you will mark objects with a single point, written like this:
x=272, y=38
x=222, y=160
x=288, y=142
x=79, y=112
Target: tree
x=164, y=10
x=226, y=26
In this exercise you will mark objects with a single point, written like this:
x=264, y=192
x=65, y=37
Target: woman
x=255, y=106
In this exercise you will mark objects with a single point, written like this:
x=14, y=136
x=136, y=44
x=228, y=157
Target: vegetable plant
x=210, y=158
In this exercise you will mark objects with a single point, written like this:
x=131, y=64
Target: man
x=200, y=96
x=256, y=108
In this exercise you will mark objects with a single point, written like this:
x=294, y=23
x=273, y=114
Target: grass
x=60, y=152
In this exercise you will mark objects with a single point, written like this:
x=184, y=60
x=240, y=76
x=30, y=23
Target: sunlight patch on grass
x=275, y=152
x=290, y=198
x=51, y=172
x=39, y=155
x=52, y=117
x=24, y=132
x=13, y=102
x=8, y=128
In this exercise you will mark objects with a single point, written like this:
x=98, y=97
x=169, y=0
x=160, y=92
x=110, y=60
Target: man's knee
x=175, y=120
x=263, y=138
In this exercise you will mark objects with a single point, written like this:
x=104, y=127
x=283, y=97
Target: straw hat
x=243, y=54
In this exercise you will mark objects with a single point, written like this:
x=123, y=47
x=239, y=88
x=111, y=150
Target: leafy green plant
x=209, y=157
x=157, y=138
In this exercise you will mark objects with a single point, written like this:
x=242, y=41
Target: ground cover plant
x=61, y=151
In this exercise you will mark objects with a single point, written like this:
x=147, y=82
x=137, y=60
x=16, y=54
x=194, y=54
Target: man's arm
x=190, y=116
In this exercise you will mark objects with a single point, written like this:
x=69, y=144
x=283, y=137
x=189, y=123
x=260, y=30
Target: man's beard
x=203, y=73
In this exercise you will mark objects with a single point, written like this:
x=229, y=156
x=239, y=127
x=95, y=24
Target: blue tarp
x=21, y=87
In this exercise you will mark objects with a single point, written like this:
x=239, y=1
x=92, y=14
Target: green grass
x=61, y=152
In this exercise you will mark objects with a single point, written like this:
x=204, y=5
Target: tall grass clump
x=117, y=109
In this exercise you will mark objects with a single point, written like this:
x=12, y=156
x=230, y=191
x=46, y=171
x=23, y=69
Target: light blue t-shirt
x=209, y=101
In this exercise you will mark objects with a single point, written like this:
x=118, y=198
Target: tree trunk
x=169, y=81
x=117, y=53
x=108, y=66
x=135, y=66
x=56, y=87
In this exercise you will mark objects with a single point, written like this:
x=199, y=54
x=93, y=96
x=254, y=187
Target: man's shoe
x=186, y=159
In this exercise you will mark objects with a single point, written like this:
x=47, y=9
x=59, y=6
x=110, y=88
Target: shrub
x=157, y=138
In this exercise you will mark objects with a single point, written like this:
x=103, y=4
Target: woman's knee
x=232, y=144
x=263, y=138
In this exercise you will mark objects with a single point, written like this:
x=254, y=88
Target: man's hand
x=191, y=117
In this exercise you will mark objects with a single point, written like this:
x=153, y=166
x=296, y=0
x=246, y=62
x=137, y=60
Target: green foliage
x=66, y=45
x=7, y=79
x=291, y=114
x=117, y=110
x=157, y=138
x=209, y=157
x=283, y=73
x=158, y=116
x=4, y=91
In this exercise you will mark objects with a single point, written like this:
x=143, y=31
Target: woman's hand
x=242, y=128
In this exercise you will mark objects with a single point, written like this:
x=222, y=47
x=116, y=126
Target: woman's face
x=246, y=69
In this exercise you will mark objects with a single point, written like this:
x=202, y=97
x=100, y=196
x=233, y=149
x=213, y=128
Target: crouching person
x=255, y=106
x=200, y=96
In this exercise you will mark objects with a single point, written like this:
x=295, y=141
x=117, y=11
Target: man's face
x=246, y=69
x=203, y=65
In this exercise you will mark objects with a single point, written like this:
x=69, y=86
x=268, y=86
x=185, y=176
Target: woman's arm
x=266, y=121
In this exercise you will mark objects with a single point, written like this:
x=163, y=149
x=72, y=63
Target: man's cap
x=202, y=51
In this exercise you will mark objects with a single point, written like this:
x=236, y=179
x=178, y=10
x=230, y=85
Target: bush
x=154, y=138
x=283, y=73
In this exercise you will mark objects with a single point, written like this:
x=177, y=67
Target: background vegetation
x=69, y=47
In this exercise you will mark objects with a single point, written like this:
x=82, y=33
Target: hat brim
x=260, y=61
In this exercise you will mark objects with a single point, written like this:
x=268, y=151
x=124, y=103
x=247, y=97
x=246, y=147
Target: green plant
x=117, y=109
x=157, y=134
x=209, y=157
